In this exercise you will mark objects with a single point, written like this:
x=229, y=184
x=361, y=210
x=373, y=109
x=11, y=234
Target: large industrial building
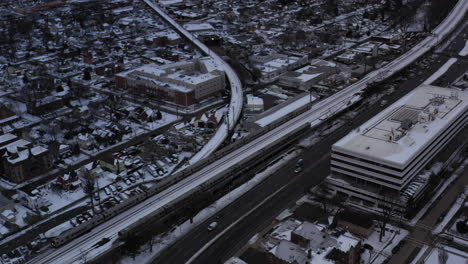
x=182, y=83
x=383, y=158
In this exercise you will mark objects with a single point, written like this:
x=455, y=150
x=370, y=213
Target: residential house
x=21, y=161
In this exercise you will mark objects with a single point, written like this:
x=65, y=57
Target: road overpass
x=235, y=106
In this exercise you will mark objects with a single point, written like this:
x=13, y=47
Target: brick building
x=182, y=83
x=21, y=161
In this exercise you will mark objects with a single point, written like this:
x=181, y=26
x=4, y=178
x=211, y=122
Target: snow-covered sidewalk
x=452, y=178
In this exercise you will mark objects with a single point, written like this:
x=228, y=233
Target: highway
x=73, y=251
x=316, y=168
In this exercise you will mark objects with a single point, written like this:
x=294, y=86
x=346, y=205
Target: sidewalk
x=422, y=234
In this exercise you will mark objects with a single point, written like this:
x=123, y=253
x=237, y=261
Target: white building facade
x=375, y=163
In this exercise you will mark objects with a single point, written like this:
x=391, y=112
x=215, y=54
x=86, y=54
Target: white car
x=212, y=226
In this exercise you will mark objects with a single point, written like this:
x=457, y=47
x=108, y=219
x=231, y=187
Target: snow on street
x=440, y=71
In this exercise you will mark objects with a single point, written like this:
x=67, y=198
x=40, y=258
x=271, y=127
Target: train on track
x=173, y=181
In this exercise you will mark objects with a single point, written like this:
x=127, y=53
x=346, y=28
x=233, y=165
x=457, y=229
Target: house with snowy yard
x=112, y=164
x=86, y=141
x=7, y=209
x=21, y=161
x=209, y=119
x=305, y=242
x=380, y=163
x=68, y=181
x=32, y=198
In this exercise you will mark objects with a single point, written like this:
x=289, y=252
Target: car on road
x=212, y=226
x=297, y=170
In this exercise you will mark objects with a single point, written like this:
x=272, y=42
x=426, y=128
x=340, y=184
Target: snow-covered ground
x=75, y=159
x=169, y=238
x=167, y=118
x=215, y=141
x=441, y=71
x=454, y=256
x=382, y=250
x=58, y=229
x=464, y=51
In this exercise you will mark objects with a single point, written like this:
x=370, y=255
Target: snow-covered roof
x=7, y=137
x=384, y=137
x=287, y=109
x=290, y=252
x=254, y=100
x=198, y=26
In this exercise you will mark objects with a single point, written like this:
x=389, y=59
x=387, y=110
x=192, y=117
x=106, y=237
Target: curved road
x=235, y=106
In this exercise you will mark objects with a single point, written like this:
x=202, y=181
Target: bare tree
x=154, y=241
x=323, y=195
x=132, y=244
x=443, y=256
x=371, y=253
x=389, y=211
x=88, y=180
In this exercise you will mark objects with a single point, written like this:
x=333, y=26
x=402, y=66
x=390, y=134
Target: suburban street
x=316, y=168
x=423, y=230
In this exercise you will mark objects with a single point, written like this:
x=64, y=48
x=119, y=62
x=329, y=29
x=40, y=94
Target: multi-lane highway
x=192, y=245
x=84, y=245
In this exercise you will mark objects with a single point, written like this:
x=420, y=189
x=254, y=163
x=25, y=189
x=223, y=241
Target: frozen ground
x=455, y=256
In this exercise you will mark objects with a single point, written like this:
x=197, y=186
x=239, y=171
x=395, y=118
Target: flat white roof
x=385, y=139
x=254, y=100
x=193, y=79
x=198, y=26
x=287, y=109
x=7, y=137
